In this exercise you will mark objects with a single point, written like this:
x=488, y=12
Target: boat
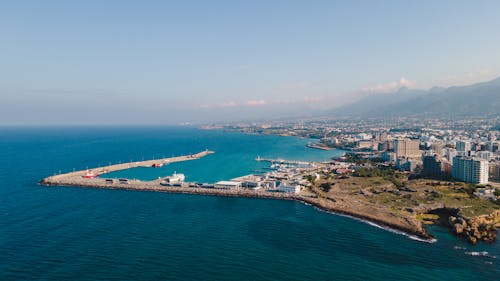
x=90, y=175
x=157, y=165
x=173, y=179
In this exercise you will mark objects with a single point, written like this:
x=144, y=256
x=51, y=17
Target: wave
x=413, y=237
x=480, y=254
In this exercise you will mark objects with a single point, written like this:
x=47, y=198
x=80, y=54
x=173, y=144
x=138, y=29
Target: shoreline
x=407, y=230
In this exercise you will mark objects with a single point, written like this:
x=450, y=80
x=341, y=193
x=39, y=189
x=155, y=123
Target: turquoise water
x=61, y=233
x=234, y=156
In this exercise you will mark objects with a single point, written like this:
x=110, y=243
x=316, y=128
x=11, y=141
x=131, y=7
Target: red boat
x=156, y=165
x=90, y=175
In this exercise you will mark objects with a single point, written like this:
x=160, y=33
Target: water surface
x=61, y=233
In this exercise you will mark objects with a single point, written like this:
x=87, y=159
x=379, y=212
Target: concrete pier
x=282, y=161
x=77, y=176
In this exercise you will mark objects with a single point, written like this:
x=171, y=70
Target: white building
x=486, y=155
x=449, y=154
x=470, y=170
x=227, y=184
x=406, y=148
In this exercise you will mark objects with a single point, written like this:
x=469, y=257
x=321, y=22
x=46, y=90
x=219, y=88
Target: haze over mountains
x=477, y=99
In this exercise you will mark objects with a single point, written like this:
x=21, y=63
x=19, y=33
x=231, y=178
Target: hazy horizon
x=164, y=63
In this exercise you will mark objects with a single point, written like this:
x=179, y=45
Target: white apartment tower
x=470, y=170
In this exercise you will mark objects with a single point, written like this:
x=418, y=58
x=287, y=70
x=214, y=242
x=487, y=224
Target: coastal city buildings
x=463, y=146
x=495, y=171
x=470, y=169
x=421, y=146
x=431, y=166
x=406, y=148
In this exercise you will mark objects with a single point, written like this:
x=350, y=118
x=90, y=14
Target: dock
x=282, y=161
x=318, y=146
x=76, y=177
x=79, y=179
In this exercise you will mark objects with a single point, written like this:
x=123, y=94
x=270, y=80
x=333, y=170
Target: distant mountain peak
x=480, y=98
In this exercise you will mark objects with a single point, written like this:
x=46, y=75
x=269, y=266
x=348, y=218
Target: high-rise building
x=406, y=148
x=389, y=156
x=463, y=146
x=470, y=170
x=495, y=172
x=449, y=154
x=486, y=155
x=381, y=136
x=437, y=148
x=382, y=146
x=431, y=166
x=493, y=146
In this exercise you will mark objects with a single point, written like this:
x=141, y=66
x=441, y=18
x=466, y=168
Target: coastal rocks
x=481, y=228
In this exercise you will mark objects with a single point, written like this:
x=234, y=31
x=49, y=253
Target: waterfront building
x=470, y=169
x=227, y=184
x=407, y=148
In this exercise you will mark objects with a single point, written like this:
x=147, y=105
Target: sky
x=166, y=62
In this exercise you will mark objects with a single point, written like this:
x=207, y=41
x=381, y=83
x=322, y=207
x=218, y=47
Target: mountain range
x=477, y=99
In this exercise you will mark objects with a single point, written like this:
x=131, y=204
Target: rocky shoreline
x=481, y=228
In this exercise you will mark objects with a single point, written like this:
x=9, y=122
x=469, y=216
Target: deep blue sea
x=68, y=233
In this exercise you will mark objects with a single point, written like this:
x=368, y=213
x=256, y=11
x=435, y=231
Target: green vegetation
x=388, y=174
x=325, y=187
x=309, y=178
x=357, y=159
x=390, y=188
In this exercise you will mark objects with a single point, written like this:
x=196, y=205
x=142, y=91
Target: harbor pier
x=76, y=177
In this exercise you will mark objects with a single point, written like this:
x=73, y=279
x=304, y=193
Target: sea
x=70, y=233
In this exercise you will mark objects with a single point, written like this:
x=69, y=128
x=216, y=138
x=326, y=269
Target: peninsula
x=405, y=206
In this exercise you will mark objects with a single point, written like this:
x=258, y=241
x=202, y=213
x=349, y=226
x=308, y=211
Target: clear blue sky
x=139, y=62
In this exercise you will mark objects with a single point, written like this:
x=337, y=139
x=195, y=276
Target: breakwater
x=74, y=178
